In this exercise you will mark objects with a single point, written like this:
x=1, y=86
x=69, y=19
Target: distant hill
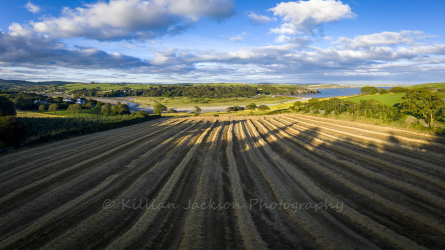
x=33, y=83
x=16, y=84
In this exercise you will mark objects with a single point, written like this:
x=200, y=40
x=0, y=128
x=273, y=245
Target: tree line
x=374, y=90
x=206, y=91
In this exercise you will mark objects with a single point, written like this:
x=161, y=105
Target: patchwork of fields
x=285, y=181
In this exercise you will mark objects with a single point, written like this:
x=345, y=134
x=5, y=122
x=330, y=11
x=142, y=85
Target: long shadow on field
x=354, y=171
x=257, y=171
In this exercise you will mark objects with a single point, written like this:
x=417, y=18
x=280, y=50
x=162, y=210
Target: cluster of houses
x=78, y=101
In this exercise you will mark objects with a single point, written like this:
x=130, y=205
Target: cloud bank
x=39, y=49
x=361, y=57
x=132, y=19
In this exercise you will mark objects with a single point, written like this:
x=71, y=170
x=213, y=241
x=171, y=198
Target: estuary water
x=327, y=93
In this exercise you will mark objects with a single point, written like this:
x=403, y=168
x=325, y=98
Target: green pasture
x=64, y=112
x=35, y=114
x=440, y=85
x=387, y=99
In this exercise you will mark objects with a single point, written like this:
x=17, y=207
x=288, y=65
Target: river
x=327, y=93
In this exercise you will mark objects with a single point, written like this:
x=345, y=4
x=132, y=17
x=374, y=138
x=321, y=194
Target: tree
x=53, y=107
x=314, y=103
x=368, y=90
x=229, y=109
x=263, y=108
x=333, y=104
x=12, y=131
x=89, y=105
x=159, y=108
x=6, y=107
x=23, y=103
x=399, y=90
x=123, y=109
x=142, y=114
x=197, y=110
x=424, y=103
x=74, y=109
x=172, y=111
x=42, y=107
x=99, y=104
x=106, y=109
x=298, y=106
x=58, y=99
x=75, y=97
x=251, y=107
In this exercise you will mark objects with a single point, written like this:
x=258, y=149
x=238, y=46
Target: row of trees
x=205, y=91
x=250, y=107
x=374, y=90
x=106, y=109
x=158, y=108
x=286, y=90
x=118, y=109
x=185, y=90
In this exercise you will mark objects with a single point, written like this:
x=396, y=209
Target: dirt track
x=286, y=181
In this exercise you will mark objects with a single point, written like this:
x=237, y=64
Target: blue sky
x=169, y=41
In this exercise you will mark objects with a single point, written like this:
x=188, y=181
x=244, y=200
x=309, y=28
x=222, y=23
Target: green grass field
x=186, y=102
x=60, y=112
x=387, y=99
x=440, y=85
x=34, y=114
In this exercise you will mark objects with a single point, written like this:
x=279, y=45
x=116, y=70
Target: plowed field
x=282, y=182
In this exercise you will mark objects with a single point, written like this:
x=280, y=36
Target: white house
x=81, y=101
x=38, y=101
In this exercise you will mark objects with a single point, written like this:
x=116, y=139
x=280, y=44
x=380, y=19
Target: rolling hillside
x=283, y=182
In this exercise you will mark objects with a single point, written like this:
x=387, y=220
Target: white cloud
x=301, y=41
x=238, y=38
x=383, y=38
x=255, y=18
x=32, y=7
x=304, y=16
x=35, y=50
x=133, y=19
